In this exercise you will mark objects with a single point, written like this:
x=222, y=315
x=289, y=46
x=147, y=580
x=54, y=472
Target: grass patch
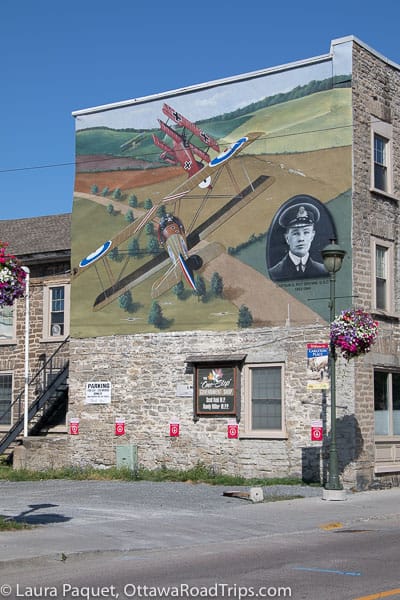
x=8, y=524
x=197, y=474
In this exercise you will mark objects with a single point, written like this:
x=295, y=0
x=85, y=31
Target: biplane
x=184, y=151
x=183, y=252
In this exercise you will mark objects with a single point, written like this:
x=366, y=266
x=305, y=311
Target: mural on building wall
x=209, y=209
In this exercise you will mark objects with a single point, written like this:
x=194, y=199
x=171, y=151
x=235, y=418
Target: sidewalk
x=91, y=516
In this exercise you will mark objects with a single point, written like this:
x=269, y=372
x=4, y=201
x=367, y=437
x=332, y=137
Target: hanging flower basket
x=353, y=332
x=12, y=277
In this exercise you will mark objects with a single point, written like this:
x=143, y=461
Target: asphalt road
x=125, y=540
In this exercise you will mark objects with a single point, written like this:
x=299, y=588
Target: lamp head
x=333, y=256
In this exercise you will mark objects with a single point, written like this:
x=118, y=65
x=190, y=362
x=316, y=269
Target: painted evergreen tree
x=179, y=290
x=133, y=201
x=217, y=285
x=129, y=216
x=201, y=290
x=156, y=317
x=126, y=301
x=245, y=318
x=133, y=248
x=94, y=189
x=148, y=204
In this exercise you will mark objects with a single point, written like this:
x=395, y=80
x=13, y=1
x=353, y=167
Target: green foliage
x=161, y=211
x=7, y=524
x=201, y=289
x=117, y=194
x=133, y=201
x=115, y=255
x=110, y=209
x=245, y=318
x=149, y=229
x=179, y=290
x=105, y=191
x=156, y=317
x=126, y=301
x=148, y=204
x=217, y=285
x=199, y=472
x=153, y=247
x=133, y=248
x=94, y=189
x=129, y=216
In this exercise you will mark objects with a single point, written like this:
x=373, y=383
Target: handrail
x=20, y=395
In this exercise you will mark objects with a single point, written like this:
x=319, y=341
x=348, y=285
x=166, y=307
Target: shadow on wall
x=315, y=459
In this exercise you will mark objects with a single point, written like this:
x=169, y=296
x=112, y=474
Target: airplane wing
x=181, y=120
x=202, y=176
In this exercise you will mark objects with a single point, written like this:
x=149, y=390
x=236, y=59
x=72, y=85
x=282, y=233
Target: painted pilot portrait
x=299, y=231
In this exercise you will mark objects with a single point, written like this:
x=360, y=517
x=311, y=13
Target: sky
x=59, y=57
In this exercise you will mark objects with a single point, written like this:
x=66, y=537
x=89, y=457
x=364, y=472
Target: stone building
x=193, y=339
x=43, y=246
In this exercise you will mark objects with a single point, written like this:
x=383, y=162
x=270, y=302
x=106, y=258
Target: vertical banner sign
x=174, y=429
x=233, y=430
x=74, y=426
x=317, y=431
x=317, y=367
x=120, y=427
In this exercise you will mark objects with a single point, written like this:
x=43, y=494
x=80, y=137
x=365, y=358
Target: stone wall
x=145, y=371
x=376, y=95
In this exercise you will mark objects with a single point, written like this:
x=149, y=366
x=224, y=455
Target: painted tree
x=148, y=204
x=126, y=301
x=156, y=317
x=110, y=209
x=133, y=201
x=201, y=289
x=117, y=194
x=105, y=191
x=153, y=247
x=245, y=318
x=179, y=290
x=129, y=216
x=133, y=248
x=217, y=285
x=94, y=189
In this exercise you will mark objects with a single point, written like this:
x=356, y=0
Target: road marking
x=379, y=595
x=317, y=570
x=328, y=526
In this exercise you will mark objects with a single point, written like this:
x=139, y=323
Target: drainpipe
x=26, y=362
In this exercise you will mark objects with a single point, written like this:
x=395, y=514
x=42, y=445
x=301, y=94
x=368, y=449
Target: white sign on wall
x=98, y=392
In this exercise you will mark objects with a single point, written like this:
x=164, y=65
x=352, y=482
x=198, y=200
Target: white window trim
x=385, y=130
x=13, y=339
x=261, y=433
x=46, y=337
x=390, y=275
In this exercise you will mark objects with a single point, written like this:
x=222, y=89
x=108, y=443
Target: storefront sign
x=98, y=392
x=216, y=390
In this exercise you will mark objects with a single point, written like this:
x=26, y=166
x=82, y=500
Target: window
x=56, y=312
x=5, y=398
x=7, y=325
x=264, y=401
x=381, y=152
x=387, y=403
x=382, y=270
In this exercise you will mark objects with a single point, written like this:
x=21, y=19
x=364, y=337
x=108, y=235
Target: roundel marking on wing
x=228, y=152
x=91, y=258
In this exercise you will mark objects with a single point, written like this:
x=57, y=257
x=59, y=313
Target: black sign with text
x=216, y=390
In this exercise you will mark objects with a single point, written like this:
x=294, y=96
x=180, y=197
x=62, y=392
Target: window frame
x=249, y=432
x=389, y=264
x=13, y=327
x=382, y=130
x=47, y=311
x=6, y=426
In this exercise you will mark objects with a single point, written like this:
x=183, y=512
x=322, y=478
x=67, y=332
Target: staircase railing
x=52, y=374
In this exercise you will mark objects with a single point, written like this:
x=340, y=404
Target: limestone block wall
x=376, y=95
x=145, y=372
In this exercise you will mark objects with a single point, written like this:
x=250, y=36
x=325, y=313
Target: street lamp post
x=332, y=256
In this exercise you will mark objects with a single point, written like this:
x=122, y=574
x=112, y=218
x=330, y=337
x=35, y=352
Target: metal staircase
x=49, y=406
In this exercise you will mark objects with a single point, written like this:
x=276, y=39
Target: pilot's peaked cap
x=299, y=215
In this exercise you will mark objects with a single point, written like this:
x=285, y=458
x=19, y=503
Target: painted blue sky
x=60, y=57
